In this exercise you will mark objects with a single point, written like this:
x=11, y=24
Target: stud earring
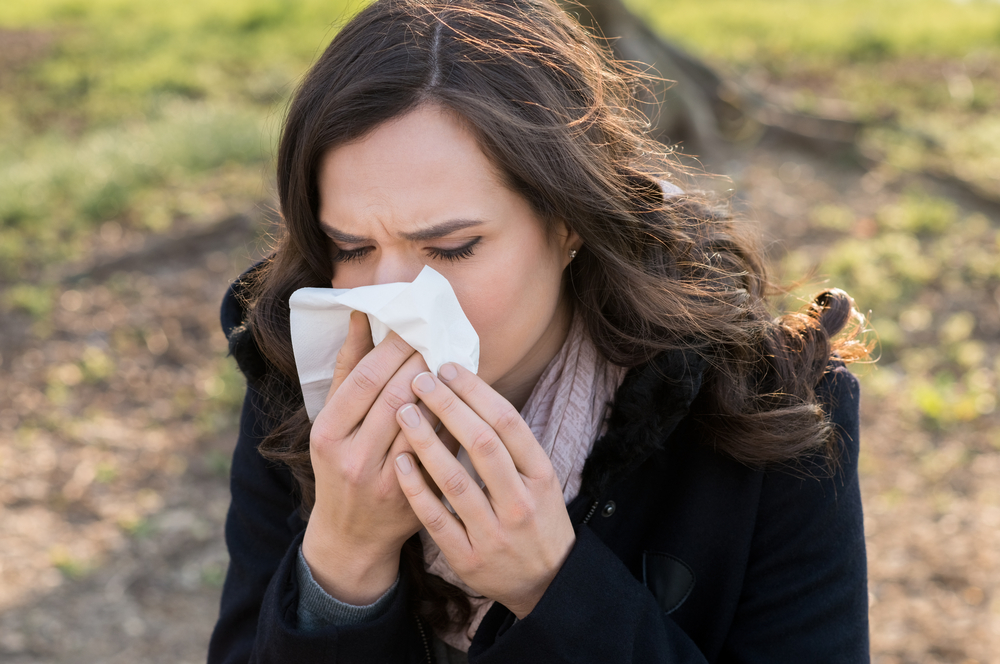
x=572, y=254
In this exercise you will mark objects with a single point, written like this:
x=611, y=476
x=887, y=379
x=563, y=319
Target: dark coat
x=682, y=554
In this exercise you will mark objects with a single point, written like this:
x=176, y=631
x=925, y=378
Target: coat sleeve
x=803, y=599
x=594, y=611
x=258, y=619
x=806, y=594
x=260, y=528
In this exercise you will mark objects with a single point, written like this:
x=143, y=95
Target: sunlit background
x=136, y=147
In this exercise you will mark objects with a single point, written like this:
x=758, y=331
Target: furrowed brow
x=341, y=236
x=429, y=233
x=440, y=230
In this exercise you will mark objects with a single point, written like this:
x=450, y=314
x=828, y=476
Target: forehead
x=419, y=167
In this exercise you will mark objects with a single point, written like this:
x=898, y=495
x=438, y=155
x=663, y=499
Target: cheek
x=510, y=308
x=501, y=340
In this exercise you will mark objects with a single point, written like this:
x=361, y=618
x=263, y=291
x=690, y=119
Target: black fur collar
x=242, y=345
x=650, y=403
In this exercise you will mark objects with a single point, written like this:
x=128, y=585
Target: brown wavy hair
x=555, y=114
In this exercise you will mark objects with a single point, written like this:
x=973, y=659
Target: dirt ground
x=114, y=438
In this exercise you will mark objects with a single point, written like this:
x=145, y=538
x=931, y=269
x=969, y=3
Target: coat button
x=609, y=509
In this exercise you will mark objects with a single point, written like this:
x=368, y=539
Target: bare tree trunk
x=701, y=112
x=685, y=113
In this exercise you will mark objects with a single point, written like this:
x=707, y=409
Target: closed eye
x=452, y=255
x=349, y=255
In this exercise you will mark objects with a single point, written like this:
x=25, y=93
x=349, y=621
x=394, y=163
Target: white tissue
x=425, y=313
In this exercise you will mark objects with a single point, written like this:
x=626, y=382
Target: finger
x=390, y=469
x=454, y=481
x=401, y=445
x=357, y=344
x=385, y=481
x=487, y=450
x=527, y=455
x=380, y=427
x=441, y=524
x=348, y=406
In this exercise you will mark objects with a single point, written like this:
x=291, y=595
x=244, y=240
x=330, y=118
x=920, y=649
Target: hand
x=361, y=519
x=509, y=540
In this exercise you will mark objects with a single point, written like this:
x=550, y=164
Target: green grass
x=923, y=271
x=139, y=114
x=781, y=32
x=56, y=192
x=115, y=59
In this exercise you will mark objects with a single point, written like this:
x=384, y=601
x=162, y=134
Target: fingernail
x=403, y=463
x=410, y=416
x=424, y=382
x=448, y=372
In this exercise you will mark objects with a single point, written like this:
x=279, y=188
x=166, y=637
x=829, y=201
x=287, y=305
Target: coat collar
x=648, y=405
x=242, y=345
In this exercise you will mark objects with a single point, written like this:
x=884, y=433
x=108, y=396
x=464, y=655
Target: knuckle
x=522, y=511
x=437, y=521
x=399, y=346
x=457, y=483
x=344, y=358
x=385, y=486
x=548, y=478
x=320, y=439
x=448, y=405
x=412, y=490
x=419, y=441
x=472, y=391
x=508, y=419
x=365, y=378
x=473, y=564
x=352, y=471
x=549, y=475
x=396, y=396
x=485, y=442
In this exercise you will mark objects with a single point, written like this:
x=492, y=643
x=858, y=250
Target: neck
x=516, y=386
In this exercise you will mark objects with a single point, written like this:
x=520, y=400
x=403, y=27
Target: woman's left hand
x=510, y=539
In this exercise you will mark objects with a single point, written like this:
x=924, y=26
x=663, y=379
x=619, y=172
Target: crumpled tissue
x=425, y=313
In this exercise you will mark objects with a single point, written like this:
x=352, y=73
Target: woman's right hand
x=361, y=518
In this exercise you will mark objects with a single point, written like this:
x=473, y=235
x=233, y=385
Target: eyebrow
x=429, y=233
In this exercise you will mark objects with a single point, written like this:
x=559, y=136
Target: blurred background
x=136, y=148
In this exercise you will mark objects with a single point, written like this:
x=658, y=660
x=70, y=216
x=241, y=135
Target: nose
x=396, y=268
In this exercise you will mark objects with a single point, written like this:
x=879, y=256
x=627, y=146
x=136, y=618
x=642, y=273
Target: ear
x=566, y=240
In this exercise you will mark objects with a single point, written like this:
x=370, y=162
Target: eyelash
x=451, y=255
x=350, y=255
x=455, y=254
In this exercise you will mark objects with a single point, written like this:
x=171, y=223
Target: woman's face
x=418, y=191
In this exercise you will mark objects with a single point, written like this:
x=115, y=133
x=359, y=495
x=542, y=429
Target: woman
x=669, y=474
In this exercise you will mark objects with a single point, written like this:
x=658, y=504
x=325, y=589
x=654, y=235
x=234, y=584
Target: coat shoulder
x=234, y=318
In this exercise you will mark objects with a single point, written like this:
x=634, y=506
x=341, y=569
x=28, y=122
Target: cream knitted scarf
x=566, y=412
